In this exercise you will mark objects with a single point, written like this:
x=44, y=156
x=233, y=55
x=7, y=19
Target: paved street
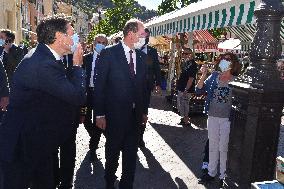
x=171, y=160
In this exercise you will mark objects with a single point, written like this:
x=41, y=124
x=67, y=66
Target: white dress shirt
x=95, y=55
x=55, y=54
x=145, y=49
x=127, y=54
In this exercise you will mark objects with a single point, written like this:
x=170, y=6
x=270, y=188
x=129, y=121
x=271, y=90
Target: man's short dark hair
x=117, y=39
x=49, y=26
x=131, y=25
x=147, y=31
x=9, y=34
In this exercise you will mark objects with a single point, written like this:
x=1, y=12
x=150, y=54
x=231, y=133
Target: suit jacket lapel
x=138, y=63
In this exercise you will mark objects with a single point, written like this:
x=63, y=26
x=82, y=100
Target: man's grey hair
x=100, y=35
x=131, y=25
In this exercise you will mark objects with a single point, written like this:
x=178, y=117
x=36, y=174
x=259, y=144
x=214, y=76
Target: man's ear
x=58, y=37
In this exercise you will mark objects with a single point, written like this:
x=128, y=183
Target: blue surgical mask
x=2, y=42
x=100, y=47
x=76, y=40
x=224, y=65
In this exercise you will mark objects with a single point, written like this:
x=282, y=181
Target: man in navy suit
x=100, y=42
x=41, y=108
x=120, y=103
x=64, y=173
x=153, y=77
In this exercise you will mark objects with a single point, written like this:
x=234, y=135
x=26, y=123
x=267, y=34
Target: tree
x=115, y=18
x=167, y=6
x=218, y=32
x=170, y=5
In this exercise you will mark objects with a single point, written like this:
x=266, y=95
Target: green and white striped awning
x=205, y=14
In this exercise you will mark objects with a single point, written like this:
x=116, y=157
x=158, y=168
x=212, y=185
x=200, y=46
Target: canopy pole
x=171, y=67
x=190, y=41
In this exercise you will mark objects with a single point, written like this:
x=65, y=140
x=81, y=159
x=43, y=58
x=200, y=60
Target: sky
x=150, y=4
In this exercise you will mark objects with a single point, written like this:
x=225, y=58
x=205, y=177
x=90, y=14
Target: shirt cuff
x=100, y=116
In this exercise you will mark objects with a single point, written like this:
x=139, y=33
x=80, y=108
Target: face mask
x=140, y=43
x=76, y=40
x=224, y=65
x=2, y=42
x=99, y=47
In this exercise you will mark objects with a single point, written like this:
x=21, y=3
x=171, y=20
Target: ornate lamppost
x=258, y=98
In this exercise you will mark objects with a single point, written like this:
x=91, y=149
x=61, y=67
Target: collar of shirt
x=95, y=54
x=127, y=54
x=55, y=54
x=145, y=48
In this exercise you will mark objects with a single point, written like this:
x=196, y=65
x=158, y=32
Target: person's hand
x=204, y=70
x=101, y=123
x=78, y=56
x=144, y=119
x=82, y=119
x=4, y=103
x=7, y=47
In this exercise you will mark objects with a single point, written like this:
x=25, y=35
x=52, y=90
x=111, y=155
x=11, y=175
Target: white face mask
x=224, y=65
x=2, y=42
x=140, y=43
x=76, y=40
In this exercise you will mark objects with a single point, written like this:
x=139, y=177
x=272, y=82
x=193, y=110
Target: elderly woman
x=218, y=106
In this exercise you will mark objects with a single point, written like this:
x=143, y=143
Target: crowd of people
x=47, y=92
x=55, y=87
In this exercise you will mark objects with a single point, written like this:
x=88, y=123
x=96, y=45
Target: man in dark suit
x=10, y=57
x=10, y=54
x=153, y=77
x=120, y=90
x=4, y=88
x=41, y=108
x=100, y=42
x=64, y=173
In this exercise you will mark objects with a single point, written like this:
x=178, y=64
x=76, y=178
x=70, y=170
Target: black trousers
x=125, y=140
x=64, y=173
x=143, y=127
x=23, y=173
x=90, y=123
x=206, y=152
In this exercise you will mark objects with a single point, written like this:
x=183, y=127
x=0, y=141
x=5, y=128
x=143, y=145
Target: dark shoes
x=206, y=178
x=93, y=157
x=221, y=183
x=141, y=144
x=181, y=121
x=185, y=124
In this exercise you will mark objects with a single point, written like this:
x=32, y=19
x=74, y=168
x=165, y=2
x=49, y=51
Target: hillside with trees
x=89, y=6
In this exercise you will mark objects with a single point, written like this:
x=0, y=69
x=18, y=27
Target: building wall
x=64, y=8
x=81, y=22
x=48, y=7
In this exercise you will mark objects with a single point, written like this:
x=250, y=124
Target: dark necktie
x=131, y=65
